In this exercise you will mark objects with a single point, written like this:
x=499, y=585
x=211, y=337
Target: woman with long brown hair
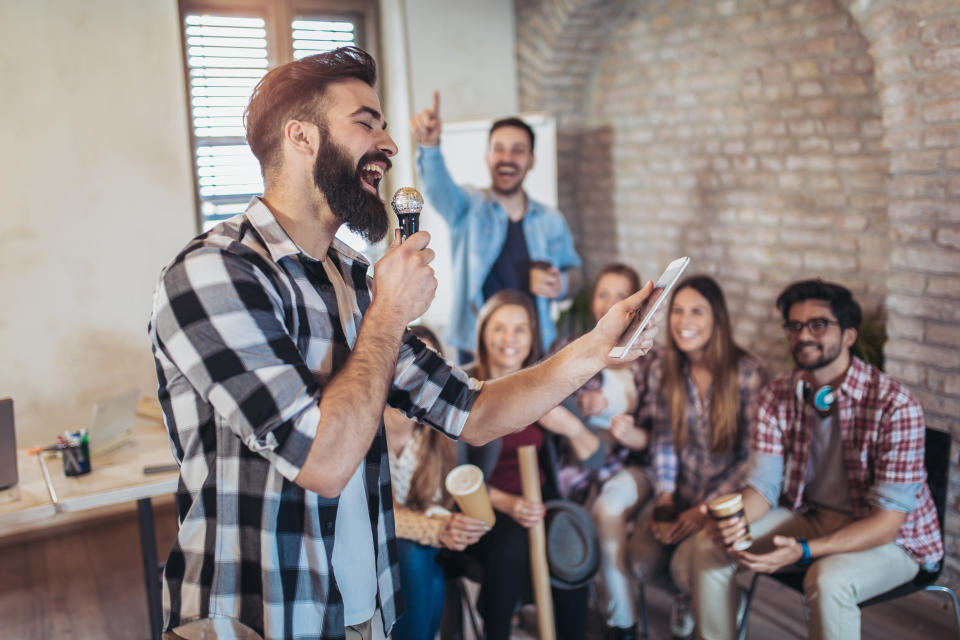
x=701, y=396
x=617, y=489
x=508, y=340
x=420, y=458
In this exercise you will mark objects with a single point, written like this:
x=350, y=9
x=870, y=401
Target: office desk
x=28, y=504
x=116, y=477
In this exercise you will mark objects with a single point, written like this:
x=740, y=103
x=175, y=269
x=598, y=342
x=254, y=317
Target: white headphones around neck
x=823, y=398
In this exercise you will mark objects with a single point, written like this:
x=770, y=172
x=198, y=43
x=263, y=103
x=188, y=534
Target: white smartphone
x=643, y=315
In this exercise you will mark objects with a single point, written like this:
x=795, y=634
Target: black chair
x=937, y=462
x=459, y=567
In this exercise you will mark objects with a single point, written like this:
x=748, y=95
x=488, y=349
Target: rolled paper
x=465, y=483
x=539, y=572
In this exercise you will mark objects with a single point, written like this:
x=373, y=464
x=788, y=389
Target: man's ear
x=301, y=137
x=533, y=161
x=850, y=337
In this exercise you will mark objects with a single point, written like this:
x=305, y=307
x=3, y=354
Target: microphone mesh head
x=406, y=200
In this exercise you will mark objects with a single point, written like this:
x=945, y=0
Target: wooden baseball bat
x=540, y=574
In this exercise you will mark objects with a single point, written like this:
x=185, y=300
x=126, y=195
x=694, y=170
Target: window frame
x=278, y=16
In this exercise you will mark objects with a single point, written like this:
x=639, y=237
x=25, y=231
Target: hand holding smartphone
x=642, y=316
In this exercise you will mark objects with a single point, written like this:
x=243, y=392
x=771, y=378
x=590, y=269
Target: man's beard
x=340, y=183
x=825, y=359
x=512, y=190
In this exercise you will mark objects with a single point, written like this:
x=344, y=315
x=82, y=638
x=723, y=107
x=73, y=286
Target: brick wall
x=769, y=140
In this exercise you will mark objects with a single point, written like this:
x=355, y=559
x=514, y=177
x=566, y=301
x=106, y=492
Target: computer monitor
x=8, y=445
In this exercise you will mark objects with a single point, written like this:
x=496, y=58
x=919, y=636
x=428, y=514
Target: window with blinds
x=226, y=57
x=226, y=54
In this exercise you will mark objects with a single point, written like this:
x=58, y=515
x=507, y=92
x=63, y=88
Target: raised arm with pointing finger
x=500, y=238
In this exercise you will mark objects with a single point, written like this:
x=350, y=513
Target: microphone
x=407, y=203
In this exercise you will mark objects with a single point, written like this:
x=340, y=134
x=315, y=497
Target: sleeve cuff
x=291, y=454
x=566, y=285
x=664, y=485
x=766, y=476
x=894, y=496
x=597, y=458
x=428, y=152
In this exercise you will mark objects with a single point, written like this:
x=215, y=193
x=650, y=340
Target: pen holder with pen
x=76, y=458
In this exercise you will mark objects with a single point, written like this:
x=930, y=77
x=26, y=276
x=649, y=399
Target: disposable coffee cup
x=465, y=483
x=731, y=506
x=664, y=517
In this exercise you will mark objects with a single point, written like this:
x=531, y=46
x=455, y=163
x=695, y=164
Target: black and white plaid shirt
x=246, y=333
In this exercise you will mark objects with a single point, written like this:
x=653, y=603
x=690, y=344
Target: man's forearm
x=563, y=422
x=754, y=504
x=879, y=528
x=347, y=427
x=507, y=404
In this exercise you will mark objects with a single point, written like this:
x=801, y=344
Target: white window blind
x=316, y=36
x=226, y=56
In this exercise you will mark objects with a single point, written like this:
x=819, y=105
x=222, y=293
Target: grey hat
x=573, y=546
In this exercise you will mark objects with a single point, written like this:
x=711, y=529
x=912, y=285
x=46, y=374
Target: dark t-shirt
x=512, y=267
x=506, y=475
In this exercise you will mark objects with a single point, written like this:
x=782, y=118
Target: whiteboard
x=464, y=144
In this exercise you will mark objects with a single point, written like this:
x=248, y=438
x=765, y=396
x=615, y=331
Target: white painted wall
x=97, y=185
x=466, y=50
x=97, y=195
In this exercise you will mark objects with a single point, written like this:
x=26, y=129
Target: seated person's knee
x=820, y=581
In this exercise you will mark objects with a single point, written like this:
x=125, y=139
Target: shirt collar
x=281, y=245
x=532, y=206
x=855, y=382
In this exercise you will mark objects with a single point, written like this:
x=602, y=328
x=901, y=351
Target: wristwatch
x=806, y=559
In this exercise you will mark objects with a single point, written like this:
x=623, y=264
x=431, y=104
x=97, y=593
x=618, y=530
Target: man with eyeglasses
x=837, y=481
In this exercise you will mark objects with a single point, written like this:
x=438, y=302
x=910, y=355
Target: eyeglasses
x=816, y=326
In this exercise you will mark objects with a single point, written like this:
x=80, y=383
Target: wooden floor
x=88, y=583
x=83, y=583
x=777, y=613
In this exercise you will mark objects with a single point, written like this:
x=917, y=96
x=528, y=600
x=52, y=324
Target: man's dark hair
x=512, y=122
x=841, y=301
x=294, y=91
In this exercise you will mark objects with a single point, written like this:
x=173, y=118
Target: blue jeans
x=422, y=581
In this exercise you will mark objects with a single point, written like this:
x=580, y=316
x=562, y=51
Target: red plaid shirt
x=883, y=434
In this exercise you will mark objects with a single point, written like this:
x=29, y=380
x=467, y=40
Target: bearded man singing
x=275, y=361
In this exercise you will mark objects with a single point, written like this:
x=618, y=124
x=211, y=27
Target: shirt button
x=328, y=526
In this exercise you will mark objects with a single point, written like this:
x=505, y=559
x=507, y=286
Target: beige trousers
x=832, y=586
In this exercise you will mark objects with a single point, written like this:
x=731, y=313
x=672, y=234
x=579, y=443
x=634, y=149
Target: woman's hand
x=591, y=403
x=688, y=523
x=526, y=513
x=459, y=531
x=624, y=429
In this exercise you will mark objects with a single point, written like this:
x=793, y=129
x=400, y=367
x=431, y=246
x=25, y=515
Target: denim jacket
x=478, y=228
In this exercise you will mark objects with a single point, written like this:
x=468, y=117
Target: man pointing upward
x=500, y=237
